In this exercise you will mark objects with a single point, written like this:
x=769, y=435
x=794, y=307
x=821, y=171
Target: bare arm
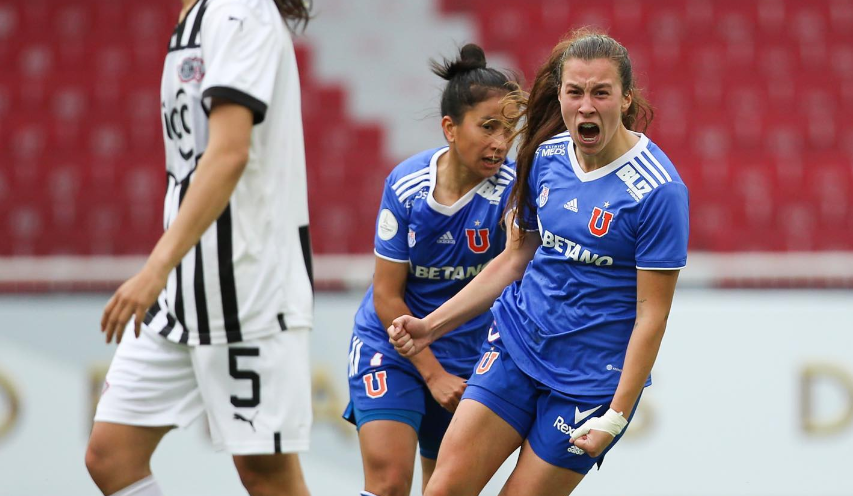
x=655, y=289
x=216, y=176
x=410, y=335
x=389, y=286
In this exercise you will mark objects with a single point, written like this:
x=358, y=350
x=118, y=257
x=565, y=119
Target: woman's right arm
x=410, y=335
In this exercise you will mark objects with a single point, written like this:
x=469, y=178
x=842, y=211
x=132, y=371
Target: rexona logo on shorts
x=561, y=425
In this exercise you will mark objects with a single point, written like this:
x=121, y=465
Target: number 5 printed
x=236, y=373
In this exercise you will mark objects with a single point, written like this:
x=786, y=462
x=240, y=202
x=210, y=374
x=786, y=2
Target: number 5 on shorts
x=236, y=373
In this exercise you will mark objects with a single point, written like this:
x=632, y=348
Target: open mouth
x=493, y=161
x=589, y=132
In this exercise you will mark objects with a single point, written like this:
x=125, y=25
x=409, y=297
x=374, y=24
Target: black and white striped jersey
x=250, y=274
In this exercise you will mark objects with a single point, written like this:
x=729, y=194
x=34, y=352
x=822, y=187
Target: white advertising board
x=752, y=395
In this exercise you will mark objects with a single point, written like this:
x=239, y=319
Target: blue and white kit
x=445, y=247
x=565, y=325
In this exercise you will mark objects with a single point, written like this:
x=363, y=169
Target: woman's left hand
x=594, y=442
x=133, y=298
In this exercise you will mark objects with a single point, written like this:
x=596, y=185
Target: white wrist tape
x=612, y=422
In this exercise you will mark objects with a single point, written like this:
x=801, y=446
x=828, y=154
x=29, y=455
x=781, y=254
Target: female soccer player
x=221, y=310
x=599, y=235
x=439, y=224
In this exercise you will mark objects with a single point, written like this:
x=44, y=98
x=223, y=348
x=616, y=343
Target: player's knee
x=99, y=463
x=112, y=467
x=391, y=481
x=263, y=475
x=108, y=469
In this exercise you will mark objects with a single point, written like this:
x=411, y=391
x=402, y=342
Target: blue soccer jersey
x=445, y=247
x=568, y=321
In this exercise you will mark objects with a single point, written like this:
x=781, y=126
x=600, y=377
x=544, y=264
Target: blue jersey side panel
x=445, y=248
x=568, y=321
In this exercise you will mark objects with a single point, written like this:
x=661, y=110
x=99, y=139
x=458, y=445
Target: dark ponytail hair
x=540, y=109
x=469, y=81
x=295, y=12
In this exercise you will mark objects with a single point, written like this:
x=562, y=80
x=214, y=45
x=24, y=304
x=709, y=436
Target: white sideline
x=355, y=271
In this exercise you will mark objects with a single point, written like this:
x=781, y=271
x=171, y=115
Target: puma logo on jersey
x=379, y=389
x=478, y=240
x=599, y=223
x=232, y=18
x=250, y=421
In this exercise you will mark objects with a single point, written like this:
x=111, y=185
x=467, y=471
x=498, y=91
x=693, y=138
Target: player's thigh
x=257, y=393
x=388, y=453
x=534, y=476
x=475, y=433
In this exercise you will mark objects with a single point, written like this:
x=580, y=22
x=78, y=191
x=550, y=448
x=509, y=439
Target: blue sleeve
x=390, y=241
x=663, y=228
x=529, y=218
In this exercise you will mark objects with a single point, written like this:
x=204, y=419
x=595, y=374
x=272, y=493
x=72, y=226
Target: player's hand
x=409, y=335
x=447, y=389
x=596, y=434
x=133, y=298
x=594, y=442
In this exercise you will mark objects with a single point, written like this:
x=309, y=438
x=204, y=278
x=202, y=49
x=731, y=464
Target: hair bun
x=474, y=55
x=471, y=57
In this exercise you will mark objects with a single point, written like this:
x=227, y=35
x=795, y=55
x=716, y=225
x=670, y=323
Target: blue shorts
x=382, y=389
x=544, y=416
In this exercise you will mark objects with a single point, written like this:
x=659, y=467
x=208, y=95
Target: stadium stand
x=750, y=104
x=750, y=95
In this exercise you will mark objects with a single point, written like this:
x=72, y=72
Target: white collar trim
x=461, y=202
x=607, y=169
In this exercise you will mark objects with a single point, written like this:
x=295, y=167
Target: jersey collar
x=461, y=202
x=607, y=169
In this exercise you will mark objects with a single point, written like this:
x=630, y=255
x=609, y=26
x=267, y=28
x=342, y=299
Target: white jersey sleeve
x=242, y=54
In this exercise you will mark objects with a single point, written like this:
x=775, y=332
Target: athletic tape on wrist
x=612, y=422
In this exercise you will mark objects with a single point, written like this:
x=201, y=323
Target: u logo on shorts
x=381, y=380
x=486, y=362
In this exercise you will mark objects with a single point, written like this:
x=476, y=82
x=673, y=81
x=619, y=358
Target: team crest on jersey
x=412, y=240
x=599, y=223
x=191, y=69
x=478, y=240
x=543, y=196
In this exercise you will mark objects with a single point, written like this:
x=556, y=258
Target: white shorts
x=257, y=393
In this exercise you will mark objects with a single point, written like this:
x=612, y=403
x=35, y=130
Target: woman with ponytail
x=582, y=291
x=439, y=224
